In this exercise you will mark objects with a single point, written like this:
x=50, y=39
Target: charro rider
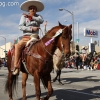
x=84, y=53
x=29, y=24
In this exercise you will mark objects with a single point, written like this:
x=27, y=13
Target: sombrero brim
x=25, y=5
x=83, y=47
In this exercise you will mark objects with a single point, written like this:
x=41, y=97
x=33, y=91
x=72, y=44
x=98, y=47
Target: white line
x=67, y=90
x=62, y=88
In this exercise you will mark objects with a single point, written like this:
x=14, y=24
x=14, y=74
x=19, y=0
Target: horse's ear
x=60, y=24
x=70, y=25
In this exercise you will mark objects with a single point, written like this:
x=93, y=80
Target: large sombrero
x=25, y=5
x=83, y=47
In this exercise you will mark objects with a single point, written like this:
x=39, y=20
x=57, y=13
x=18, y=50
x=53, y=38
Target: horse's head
x=64, y=39
x=61, y=36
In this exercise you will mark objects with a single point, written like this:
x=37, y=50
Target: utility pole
x=45, y=25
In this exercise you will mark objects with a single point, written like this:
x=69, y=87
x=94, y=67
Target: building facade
x=5, y=48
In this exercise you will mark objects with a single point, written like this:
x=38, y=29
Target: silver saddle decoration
x=34, y=39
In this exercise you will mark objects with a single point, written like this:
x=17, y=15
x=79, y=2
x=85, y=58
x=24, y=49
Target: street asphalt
x=87, y=74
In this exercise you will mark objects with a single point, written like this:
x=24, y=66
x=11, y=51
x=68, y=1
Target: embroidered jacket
x=26, y=24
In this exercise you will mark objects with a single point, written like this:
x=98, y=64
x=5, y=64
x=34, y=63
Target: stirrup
x=15, y=71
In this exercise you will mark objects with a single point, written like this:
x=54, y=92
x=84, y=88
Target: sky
x=86, y=14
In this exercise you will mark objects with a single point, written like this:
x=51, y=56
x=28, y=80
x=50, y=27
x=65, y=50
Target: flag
x=9, y=52
x=15, y=41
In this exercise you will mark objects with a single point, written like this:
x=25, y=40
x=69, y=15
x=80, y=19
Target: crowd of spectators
x=94, y=64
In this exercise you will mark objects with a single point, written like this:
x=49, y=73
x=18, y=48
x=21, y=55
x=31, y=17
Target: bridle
x=38, y=55
x=52, y=40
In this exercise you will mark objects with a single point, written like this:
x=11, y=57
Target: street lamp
x=45, y=25
x=61, y=9
x=5, y=45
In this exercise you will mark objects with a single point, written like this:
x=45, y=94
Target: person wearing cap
x=30, y=25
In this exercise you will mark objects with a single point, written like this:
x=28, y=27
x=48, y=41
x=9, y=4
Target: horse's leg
x=37, y=84
x=59, y=74
x=24, y=79
x=55, y=77
x=47, y=83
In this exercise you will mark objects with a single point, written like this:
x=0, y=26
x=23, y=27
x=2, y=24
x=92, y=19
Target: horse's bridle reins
x=61, y=45
x=39, y=56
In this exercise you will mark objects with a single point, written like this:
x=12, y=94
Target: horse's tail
x=11, y=83
x=12, y=80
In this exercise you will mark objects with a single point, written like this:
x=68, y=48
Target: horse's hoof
x=61, y=83
x=45, y=98
x=54, y=80
x=10, y=98
x=42, y=99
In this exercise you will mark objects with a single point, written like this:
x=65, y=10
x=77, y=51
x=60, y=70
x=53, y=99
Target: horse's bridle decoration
x=57, y=33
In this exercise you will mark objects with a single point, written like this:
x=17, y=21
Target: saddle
x=25, y=51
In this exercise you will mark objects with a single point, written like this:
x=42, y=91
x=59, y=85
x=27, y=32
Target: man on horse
x=30, y=25
x=84, y=53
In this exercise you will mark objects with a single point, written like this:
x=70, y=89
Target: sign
x=91, y=47
x=77, y=40
x=5, y=51
x=90, y=32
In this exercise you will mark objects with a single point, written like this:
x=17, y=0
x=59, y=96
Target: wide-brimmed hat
x=83, y=47
x=25, y=5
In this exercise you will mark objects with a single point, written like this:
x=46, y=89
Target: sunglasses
x=34, y=8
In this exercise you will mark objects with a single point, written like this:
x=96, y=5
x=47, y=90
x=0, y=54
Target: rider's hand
x=35, y=28
x=26, y=15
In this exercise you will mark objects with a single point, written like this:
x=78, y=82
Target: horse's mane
x=45, y=37
x=52, y=29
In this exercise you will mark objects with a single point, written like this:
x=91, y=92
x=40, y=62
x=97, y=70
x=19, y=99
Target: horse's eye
x=64, y=37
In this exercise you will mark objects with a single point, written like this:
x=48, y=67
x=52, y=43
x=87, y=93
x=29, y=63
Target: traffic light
x=77, y=47
x=6, y=55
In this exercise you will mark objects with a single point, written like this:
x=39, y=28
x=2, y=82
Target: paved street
x=78, y=85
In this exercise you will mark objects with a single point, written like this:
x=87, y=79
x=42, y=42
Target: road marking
x=67, y=90
x=61, y=88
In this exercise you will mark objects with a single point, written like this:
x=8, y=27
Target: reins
x=47, y=50
x=43, y=45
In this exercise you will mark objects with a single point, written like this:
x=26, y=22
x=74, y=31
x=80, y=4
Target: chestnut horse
x=41, y=65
